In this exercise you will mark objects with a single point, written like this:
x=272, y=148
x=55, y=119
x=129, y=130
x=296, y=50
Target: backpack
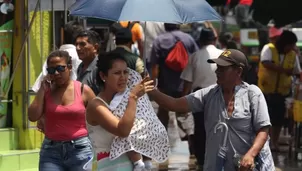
x=178, y=57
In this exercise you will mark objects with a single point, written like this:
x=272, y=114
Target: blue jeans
x=65, y=155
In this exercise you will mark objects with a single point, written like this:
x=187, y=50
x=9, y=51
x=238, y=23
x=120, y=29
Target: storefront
x=28, y=32
x=6, y=47
x=43, y=21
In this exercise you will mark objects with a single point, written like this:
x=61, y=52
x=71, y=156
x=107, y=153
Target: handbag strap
x=257, y=158
x=252, y=117
x=251, y=109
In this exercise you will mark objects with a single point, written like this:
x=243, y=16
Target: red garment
x=102, y=155
x=65, y=123
x=243, y=2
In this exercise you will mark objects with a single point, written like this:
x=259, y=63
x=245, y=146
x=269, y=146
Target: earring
x=104, y=80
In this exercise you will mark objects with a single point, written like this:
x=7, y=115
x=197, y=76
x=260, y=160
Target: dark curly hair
x=286, y=38
x=61, y=54
x=105, y=61
x=71, y=30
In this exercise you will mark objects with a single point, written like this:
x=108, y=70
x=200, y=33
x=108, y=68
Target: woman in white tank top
x=112, y=115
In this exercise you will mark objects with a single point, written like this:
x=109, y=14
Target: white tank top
x=100, y=138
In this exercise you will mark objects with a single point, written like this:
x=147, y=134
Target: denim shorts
x=65, y=155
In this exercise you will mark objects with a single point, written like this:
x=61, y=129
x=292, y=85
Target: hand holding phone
x=46, y=83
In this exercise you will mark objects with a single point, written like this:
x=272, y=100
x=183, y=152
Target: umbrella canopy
x=168, y=11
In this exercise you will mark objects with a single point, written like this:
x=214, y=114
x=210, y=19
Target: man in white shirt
x=199, y=74
x=274, y=71
x=151, y=31
x=266, y=55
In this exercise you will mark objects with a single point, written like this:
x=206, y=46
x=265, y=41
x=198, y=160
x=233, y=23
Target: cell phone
x=48, y=81
x=155, y=83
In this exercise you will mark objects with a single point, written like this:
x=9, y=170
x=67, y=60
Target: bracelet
x=133, y=96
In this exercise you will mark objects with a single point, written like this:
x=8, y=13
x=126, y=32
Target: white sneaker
x=148, y=165
x=139, y=168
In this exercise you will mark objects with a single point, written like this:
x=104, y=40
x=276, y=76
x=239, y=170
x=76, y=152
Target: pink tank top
x=65, y=123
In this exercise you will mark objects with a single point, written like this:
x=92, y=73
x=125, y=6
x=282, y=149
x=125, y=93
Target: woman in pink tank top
x=62, y=102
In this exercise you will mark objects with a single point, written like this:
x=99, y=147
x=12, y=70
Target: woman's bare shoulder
x=96, y=101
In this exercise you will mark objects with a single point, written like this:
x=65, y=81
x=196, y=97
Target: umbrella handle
x=219, y=125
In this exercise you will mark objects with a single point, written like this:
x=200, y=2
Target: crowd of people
x=95, y=107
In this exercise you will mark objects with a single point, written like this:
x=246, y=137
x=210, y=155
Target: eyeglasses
x=59, y=68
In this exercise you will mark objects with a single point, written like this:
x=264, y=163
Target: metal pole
x=144, y=55
x=53, y=26
x=26, y=23
x=25, y=97
x=65, y=12
x=41, y=36
x=22, y=47
x=85, y=23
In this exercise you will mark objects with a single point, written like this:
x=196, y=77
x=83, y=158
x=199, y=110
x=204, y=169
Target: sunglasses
x=59, y=68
